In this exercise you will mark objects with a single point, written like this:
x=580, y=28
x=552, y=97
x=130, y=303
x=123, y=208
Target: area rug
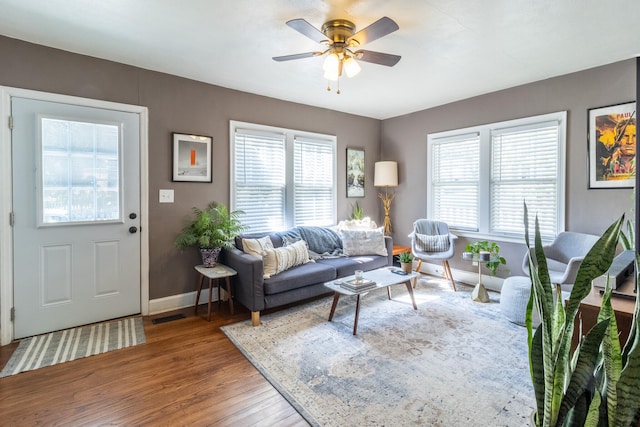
x=452, y=362
x=70, y=344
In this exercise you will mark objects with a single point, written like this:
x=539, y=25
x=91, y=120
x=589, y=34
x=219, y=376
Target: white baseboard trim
x=470, y=278
x=176, y=302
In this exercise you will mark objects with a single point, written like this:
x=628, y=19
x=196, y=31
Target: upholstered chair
x=432, y=241
x=564, y=256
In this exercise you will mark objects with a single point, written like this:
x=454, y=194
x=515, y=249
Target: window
x=282, y=177
x=79, y=172
x=480, y=177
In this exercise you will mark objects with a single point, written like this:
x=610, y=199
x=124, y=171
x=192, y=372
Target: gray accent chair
x=430, y=228
x=564, y=256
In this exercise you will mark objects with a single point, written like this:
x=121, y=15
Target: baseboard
x=467, y=277
x=176, y=302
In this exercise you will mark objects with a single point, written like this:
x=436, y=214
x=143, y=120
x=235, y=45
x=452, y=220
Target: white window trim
x=290, y=136
x=485, y=171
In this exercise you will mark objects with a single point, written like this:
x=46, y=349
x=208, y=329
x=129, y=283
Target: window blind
x=313, y=179
x=455, y=180
x=260, y=179
x=524, y=167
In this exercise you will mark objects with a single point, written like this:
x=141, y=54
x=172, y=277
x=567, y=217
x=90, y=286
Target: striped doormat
x=70, y=344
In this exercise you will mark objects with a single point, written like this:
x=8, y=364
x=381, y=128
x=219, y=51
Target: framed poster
x=191, y=158
x=355, y=172
x=612, y=146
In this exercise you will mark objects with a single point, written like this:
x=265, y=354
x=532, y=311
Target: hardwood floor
x=187, y=373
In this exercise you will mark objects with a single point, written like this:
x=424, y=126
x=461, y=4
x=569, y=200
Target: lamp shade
x=385, y=174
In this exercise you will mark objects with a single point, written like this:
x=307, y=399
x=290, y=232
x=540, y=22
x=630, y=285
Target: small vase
x=210, y=256
x=407, y=267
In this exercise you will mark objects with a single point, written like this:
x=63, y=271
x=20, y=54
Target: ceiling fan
x=341, y=40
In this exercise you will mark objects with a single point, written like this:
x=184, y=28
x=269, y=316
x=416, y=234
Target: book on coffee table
x=358, y=285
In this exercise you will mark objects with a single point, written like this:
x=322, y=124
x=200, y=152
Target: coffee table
x=384, y=278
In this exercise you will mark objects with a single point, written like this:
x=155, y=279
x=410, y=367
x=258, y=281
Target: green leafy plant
x=357, y=212
x=599, y=384
x=405, y=257
x=492, y=248
x=212, y=227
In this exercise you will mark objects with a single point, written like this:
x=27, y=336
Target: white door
x=76, y=204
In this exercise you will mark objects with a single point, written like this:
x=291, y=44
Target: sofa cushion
x=363, y=242
x=432, y=243
x=277, y=260
x=303, y=275
x=345, y=266
x=257, y=247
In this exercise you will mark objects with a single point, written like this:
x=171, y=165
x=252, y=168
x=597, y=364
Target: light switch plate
x=166, y=196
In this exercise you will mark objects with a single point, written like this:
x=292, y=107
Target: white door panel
x=76, y=202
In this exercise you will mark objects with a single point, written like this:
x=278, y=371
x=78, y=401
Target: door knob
x=133, y=215
x=133, y=230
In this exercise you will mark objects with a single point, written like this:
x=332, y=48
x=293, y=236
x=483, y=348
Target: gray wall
x=405, y=138
x=181, y=105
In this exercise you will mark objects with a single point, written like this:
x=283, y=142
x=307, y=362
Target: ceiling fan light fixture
x=351, y=67
x=331, y=75
x=331, y=62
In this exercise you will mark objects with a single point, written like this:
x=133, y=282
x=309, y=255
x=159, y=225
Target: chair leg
x=447, y=273
x=415, y=279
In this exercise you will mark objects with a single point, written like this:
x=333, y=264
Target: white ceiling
x=451, y=49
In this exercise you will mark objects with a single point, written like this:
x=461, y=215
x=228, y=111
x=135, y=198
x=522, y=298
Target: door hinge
x=12, y=218
x=11, y=122
x=13, y=314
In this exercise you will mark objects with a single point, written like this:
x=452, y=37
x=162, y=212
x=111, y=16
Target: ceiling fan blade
x=306, y=29
x=296, y=56
x=380, y=28
x=377, y=57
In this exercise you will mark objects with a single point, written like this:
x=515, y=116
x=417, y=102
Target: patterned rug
x=70, y=344
x=453, y=362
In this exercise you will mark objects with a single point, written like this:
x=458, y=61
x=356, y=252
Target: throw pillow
x=277, y=260
x=363, y=242
x=257, y=247
x=434, y=243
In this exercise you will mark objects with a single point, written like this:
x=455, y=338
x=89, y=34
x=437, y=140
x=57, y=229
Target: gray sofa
x=301, y=282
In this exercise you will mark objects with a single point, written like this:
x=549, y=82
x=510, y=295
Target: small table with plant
x=220, y=271
x=487, y=253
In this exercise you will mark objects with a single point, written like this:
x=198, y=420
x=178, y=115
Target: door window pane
x=80, y=172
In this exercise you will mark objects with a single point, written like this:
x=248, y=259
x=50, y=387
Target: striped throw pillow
x=435, y=243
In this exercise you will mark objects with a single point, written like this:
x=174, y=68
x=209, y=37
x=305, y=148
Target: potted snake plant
x=599, y=384
x=212, y=229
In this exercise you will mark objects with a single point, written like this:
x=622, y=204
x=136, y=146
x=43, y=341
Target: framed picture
x=355, y=172
x=191, y=158
x=612, y=146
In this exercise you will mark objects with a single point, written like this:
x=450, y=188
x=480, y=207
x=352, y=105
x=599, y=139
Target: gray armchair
x=564, y=256
x=432, y=241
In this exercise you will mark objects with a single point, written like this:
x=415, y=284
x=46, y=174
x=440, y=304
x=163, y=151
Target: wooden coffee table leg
x=336, y=297
x=355, y=321
x=410, y=289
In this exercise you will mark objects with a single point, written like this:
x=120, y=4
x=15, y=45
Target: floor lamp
x=386, y=175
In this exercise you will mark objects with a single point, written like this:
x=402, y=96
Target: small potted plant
x=406, y=261
x=211, y=230
x=485, y=247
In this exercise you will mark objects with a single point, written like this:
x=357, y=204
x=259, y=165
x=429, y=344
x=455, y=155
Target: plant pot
x=407, y=267
x=210, y=256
